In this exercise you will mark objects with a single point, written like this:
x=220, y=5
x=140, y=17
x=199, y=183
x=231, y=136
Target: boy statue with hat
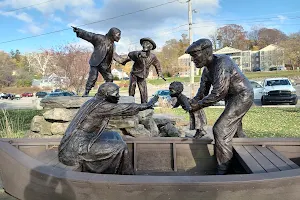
x=140, y=70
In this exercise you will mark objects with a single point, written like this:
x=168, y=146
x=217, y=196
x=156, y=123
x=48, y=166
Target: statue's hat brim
x=149, y=40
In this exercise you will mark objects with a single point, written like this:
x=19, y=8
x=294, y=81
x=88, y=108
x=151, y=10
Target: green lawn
x=257, y=75
x=250, y=75
x=258, y=122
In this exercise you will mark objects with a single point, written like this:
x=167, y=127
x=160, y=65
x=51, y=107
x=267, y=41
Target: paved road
x=23, y=103
x=30, y=102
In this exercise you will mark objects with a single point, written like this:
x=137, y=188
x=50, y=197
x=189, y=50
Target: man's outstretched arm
x=88, y=36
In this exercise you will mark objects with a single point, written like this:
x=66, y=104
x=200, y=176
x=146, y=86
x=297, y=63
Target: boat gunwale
x=31, y=163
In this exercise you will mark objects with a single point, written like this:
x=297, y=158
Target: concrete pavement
x=31, y=102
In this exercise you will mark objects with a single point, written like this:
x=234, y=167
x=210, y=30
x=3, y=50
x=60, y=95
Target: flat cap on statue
x=149, y=40
x=199, y=45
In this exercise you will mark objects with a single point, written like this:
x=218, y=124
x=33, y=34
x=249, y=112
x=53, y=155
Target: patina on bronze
x=103, y=55
x=197, y=118
x=140, y=69
x=82, y=143
x=230, y=84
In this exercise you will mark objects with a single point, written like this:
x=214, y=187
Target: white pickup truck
x=275, y=90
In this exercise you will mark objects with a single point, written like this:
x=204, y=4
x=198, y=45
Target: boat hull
x=25, y=177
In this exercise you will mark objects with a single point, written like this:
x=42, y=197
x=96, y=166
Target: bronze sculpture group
x=82, y=144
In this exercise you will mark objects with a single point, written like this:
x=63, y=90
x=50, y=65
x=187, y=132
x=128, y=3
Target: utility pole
x=192, y=70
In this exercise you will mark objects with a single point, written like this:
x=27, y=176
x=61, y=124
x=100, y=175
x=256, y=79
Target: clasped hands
x=195, y=105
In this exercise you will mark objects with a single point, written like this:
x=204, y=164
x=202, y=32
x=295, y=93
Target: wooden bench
x=258, y=159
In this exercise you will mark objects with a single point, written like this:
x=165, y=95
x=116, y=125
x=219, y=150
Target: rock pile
x=59, y=111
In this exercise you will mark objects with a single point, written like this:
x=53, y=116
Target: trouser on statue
x=142, y=87
x=197, y=122
x=228, y=125
x=93, y=75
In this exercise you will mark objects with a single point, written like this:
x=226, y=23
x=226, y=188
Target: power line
x=252, y=19
x=110, y=18
x=160, y=36
x=164, y=33
x=174, y=27
x=201, y=26
x=13, y=10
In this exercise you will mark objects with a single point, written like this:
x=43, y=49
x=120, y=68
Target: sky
x=33, y=25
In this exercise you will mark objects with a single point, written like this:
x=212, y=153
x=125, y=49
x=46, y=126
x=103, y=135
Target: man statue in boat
x=228, y=83
x=82, y=144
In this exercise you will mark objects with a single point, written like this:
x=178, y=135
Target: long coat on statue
x=81, y=143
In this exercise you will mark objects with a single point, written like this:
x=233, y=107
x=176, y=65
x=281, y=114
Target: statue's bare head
x=114, y=34
x=175, y=88
x=109, y=91
x=201, y=52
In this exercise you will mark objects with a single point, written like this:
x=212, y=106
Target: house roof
x=271, y=47
x=227, y=50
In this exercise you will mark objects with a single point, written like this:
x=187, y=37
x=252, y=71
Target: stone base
x=59, y=112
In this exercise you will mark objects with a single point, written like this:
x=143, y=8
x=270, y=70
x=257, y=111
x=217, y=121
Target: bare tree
x=40, y=62
x=72, y=62
x=268, y=36
x=214, y=37
x=233, y=35
x=291, y=49
x=253, y=37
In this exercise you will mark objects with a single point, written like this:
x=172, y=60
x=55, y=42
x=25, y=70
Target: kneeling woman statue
x=82, y=145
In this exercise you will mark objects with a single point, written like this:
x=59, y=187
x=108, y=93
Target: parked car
x=7, y=96
x=27, y=94
x=41, y=94
x=58, y=90
x=2, y=95
x=17, y=96
x=257, y=89
x=278, y=90
x=256, y=69
x=59, y=94
x=164, y=95
x=282, y=68
x=273, y=68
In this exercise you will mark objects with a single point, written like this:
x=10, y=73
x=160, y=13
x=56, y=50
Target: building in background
x=184, y=60
x=119, y=73
x=269, y=58
x=52, y=81
x=184, y=64
x=266, y=59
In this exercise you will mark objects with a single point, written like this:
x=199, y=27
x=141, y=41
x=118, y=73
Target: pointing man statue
x=228, y=83
x=103, y=55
